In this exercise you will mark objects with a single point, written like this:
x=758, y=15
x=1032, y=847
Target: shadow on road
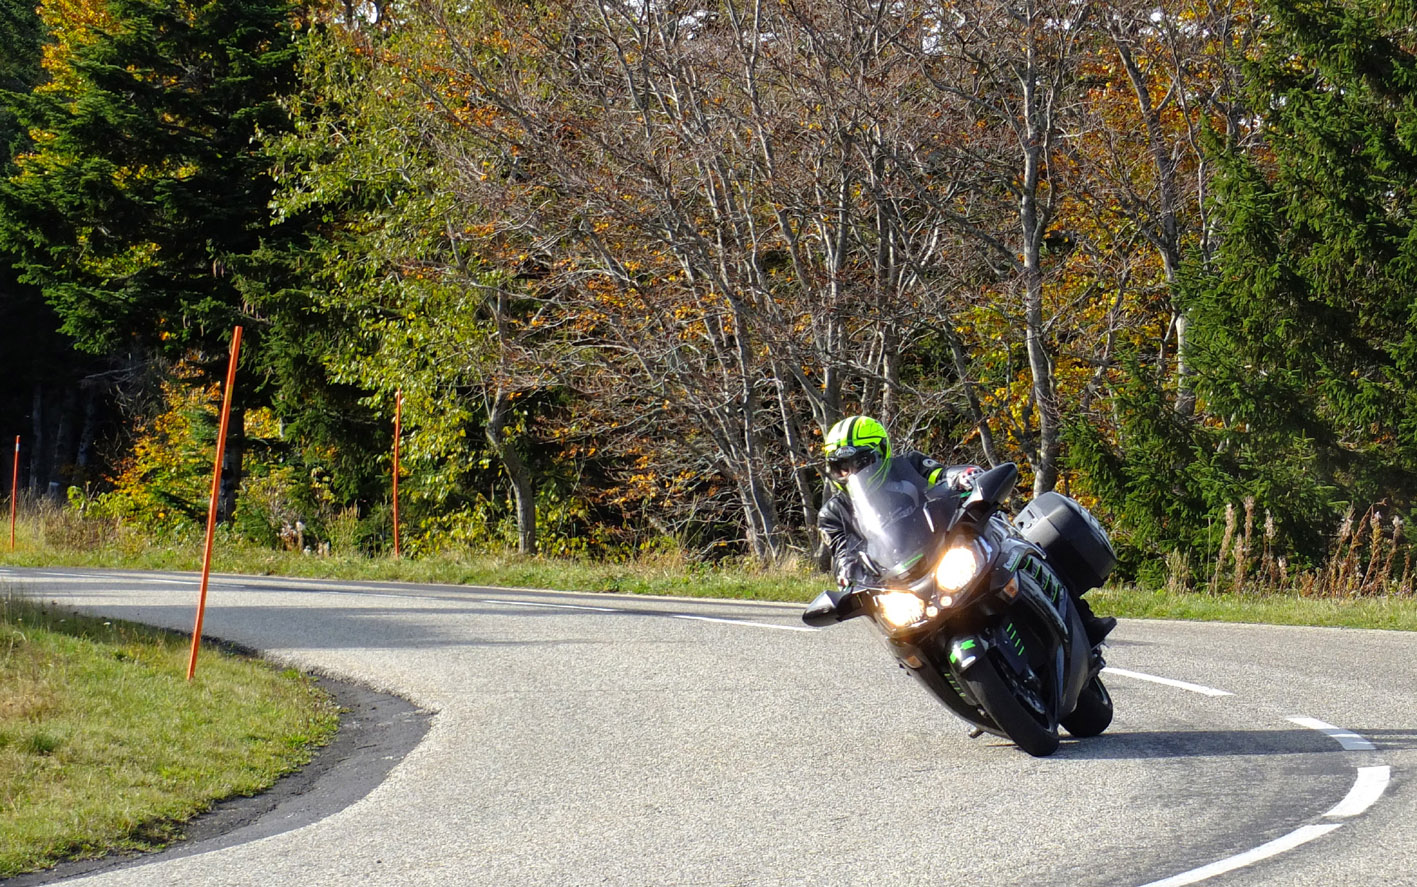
x=1138, y=745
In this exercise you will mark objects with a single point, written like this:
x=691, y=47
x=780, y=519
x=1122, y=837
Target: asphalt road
x=597, y=739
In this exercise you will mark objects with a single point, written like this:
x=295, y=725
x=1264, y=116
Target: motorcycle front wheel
x=1093, y=713
x=1034, y=732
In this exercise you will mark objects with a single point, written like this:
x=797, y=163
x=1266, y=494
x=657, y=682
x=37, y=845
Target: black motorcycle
x=977, y=607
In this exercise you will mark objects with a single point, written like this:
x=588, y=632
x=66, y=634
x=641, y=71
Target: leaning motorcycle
x=977, y=607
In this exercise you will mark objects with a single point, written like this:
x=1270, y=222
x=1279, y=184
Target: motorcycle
x=978, y=607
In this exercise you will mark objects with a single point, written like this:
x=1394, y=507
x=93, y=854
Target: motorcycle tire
x=1093, y=713
x=1001, y=703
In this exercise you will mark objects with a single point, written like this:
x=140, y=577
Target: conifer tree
x=147, y=185
x=1306, y=350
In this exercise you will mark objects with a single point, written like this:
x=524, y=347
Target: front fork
x=943, y=659
x=938, y=661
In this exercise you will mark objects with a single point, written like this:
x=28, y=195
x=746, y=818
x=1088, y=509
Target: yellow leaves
x=125, y=264
x=262, y=423
x=72, y=24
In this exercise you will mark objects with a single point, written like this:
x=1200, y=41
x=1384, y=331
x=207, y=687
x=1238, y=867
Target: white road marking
x=635, y=612
x=1280, y=845
x=77, y=579
x=1170, y=682
x=554, y=606
x=1372, y=782
x=1346, y=738
x=742, y=622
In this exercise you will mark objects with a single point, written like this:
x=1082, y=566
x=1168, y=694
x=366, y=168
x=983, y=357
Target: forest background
x=626, y=260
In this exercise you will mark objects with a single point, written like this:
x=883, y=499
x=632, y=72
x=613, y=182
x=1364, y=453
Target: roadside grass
x=104, y=745
x=667, y=574
x=1392, y=612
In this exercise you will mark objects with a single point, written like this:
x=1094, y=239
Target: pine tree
x=147, y=186
x=148, y=181
x=40, y=399
x=1306, y=349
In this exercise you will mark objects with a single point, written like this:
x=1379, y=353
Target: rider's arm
x=958, y=477
x=837, y=525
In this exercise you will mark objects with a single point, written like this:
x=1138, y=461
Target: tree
x=146, y=184
x=51, y=394
x=412, y=284
x=1306, y=347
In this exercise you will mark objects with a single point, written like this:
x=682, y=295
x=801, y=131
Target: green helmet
x=853, y=444
x=858, y=431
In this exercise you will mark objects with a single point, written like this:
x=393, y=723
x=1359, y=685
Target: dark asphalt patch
x=376, y=731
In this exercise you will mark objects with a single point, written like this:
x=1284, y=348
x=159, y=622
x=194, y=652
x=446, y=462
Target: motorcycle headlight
x=900, y=608
x=959, y=566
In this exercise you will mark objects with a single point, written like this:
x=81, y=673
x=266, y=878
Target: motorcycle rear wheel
x=999, y=700
x=1093, y=713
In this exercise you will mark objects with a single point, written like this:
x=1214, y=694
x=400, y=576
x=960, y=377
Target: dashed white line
x=552, y=606
x=1294, y=839
x=1170, y=682
x=634, y=612
x=740, y=622
x=1372, y=782
x=1347, y=738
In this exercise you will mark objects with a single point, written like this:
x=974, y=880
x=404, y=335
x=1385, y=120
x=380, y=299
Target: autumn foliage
x=627, y=260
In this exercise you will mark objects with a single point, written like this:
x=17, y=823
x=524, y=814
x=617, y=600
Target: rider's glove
x=852, y=572
x=964, y=480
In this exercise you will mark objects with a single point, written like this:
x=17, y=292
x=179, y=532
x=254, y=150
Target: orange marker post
x=398, y=428
x=14, y=491
x=216, y=491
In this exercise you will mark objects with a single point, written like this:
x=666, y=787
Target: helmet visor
x=846, y=461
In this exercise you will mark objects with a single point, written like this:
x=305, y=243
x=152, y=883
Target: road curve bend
x=596, y=739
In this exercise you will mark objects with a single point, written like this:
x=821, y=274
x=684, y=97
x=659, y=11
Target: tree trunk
x=1185, y=383
x=523, y=489
x=83, y=454
x=1034, y=212
x=799, y=451
x=61, y=459
x=1045, y=459
x=232, y=464
x=524, y=495
x=976, y=412
x=38, y=476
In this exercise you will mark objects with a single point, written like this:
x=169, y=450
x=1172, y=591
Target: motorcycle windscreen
x=889, y=502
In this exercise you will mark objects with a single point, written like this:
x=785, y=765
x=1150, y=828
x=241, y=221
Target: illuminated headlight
x=900, y=608
x=958, y=567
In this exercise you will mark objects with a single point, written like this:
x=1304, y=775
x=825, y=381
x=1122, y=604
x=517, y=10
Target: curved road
x=597, y=739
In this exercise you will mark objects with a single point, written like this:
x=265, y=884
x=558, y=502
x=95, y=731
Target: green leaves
x=1303, y=322
x=147, y=182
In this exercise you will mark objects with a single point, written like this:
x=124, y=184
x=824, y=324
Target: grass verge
x=661, y=574
x=105, y=746
x=1393, y=612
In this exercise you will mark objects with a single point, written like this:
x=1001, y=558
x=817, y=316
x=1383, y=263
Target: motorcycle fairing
x=900, y=518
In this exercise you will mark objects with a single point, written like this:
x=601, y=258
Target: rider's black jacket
x=837, y=521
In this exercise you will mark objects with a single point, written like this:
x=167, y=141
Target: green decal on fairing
x=957, y=651
x=1018, y=641
x=904, y=566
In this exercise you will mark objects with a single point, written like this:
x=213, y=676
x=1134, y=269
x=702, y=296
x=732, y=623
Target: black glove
x=851, y=572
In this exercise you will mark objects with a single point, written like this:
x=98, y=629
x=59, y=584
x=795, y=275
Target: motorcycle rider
x=859, y=441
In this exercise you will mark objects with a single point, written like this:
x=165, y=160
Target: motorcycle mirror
x=833, y=606
x=991, y=488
